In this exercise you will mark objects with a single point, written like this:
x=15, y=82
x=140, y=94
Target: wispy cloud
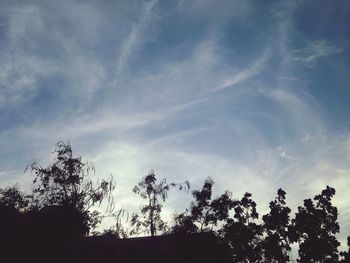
x=245, y=74
x=37, y=53
x=20, y=76
x=135, y=37
x=316, y=50
x=222, y=95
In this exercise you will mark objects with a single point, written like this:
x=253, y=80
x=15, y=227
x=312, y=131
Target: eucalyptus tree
x=66, y=182
x=149, y=220
x=205, y=212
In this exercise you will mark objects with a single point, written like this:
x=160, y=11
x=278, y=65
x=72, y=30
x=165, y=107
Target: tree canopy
x=64, y=199
x=67, y=182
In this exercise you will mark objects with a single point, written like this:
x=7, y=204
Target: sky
x=254, y=94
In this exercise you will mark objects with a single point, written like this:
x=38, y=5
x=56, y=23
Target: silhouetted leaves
x=12, y=196
x=242, y=233
x=315, y=226
x=66, y=183
x=54, y=218
x=276, y=244
x=149, y=220
x=204, y=213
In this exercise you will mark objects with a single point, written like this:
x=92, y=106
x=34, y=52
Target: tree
x=204, y=213
x=66, y=183
x=12, y=196
x=241, y=233
x=13, y=204
x=315, y=226
x=184, y=224
x=155, y=193
x=200, y=208
x=276, y=224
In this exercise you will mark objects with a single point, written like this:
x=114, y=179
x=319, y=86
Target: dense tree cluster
x=313, y=228
x=62, y=208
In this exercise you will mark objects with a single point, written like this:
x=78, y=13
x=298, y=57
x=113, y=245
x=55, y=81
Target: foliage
x=184, y=224
x=66, y=182
x=201, y=211
x=12, y=196
x=149, y=220
x=204, y=213
x=241, y=233
x=315, y=226
x=64, y=196
x=118, y=230
x=276, y=244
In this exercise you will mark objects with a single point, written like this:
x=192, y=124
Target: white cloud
x=175, y=83
x=38, y=49
x=135, y=38
x=245, y=74
x=316, y=50
x=20, y=76
x=272, y=135
x=301, y=109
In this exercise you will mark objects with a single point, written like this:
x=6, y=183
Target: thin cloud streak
x=135, y=38
x=316, y=50
x=193, y=111
x=245, y=74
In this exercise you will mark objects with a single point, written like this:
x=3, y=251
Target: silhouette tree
x=241, y=233
x=184, y=224
x=12, y=196
x=204, y=213
x=66, y=183
x=60, y=210
x=276, y=244
x=201, y=211
x=155, y=193
x=315, y=226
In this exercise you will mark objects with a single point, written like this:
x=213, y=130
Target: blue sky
x=254, y=94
